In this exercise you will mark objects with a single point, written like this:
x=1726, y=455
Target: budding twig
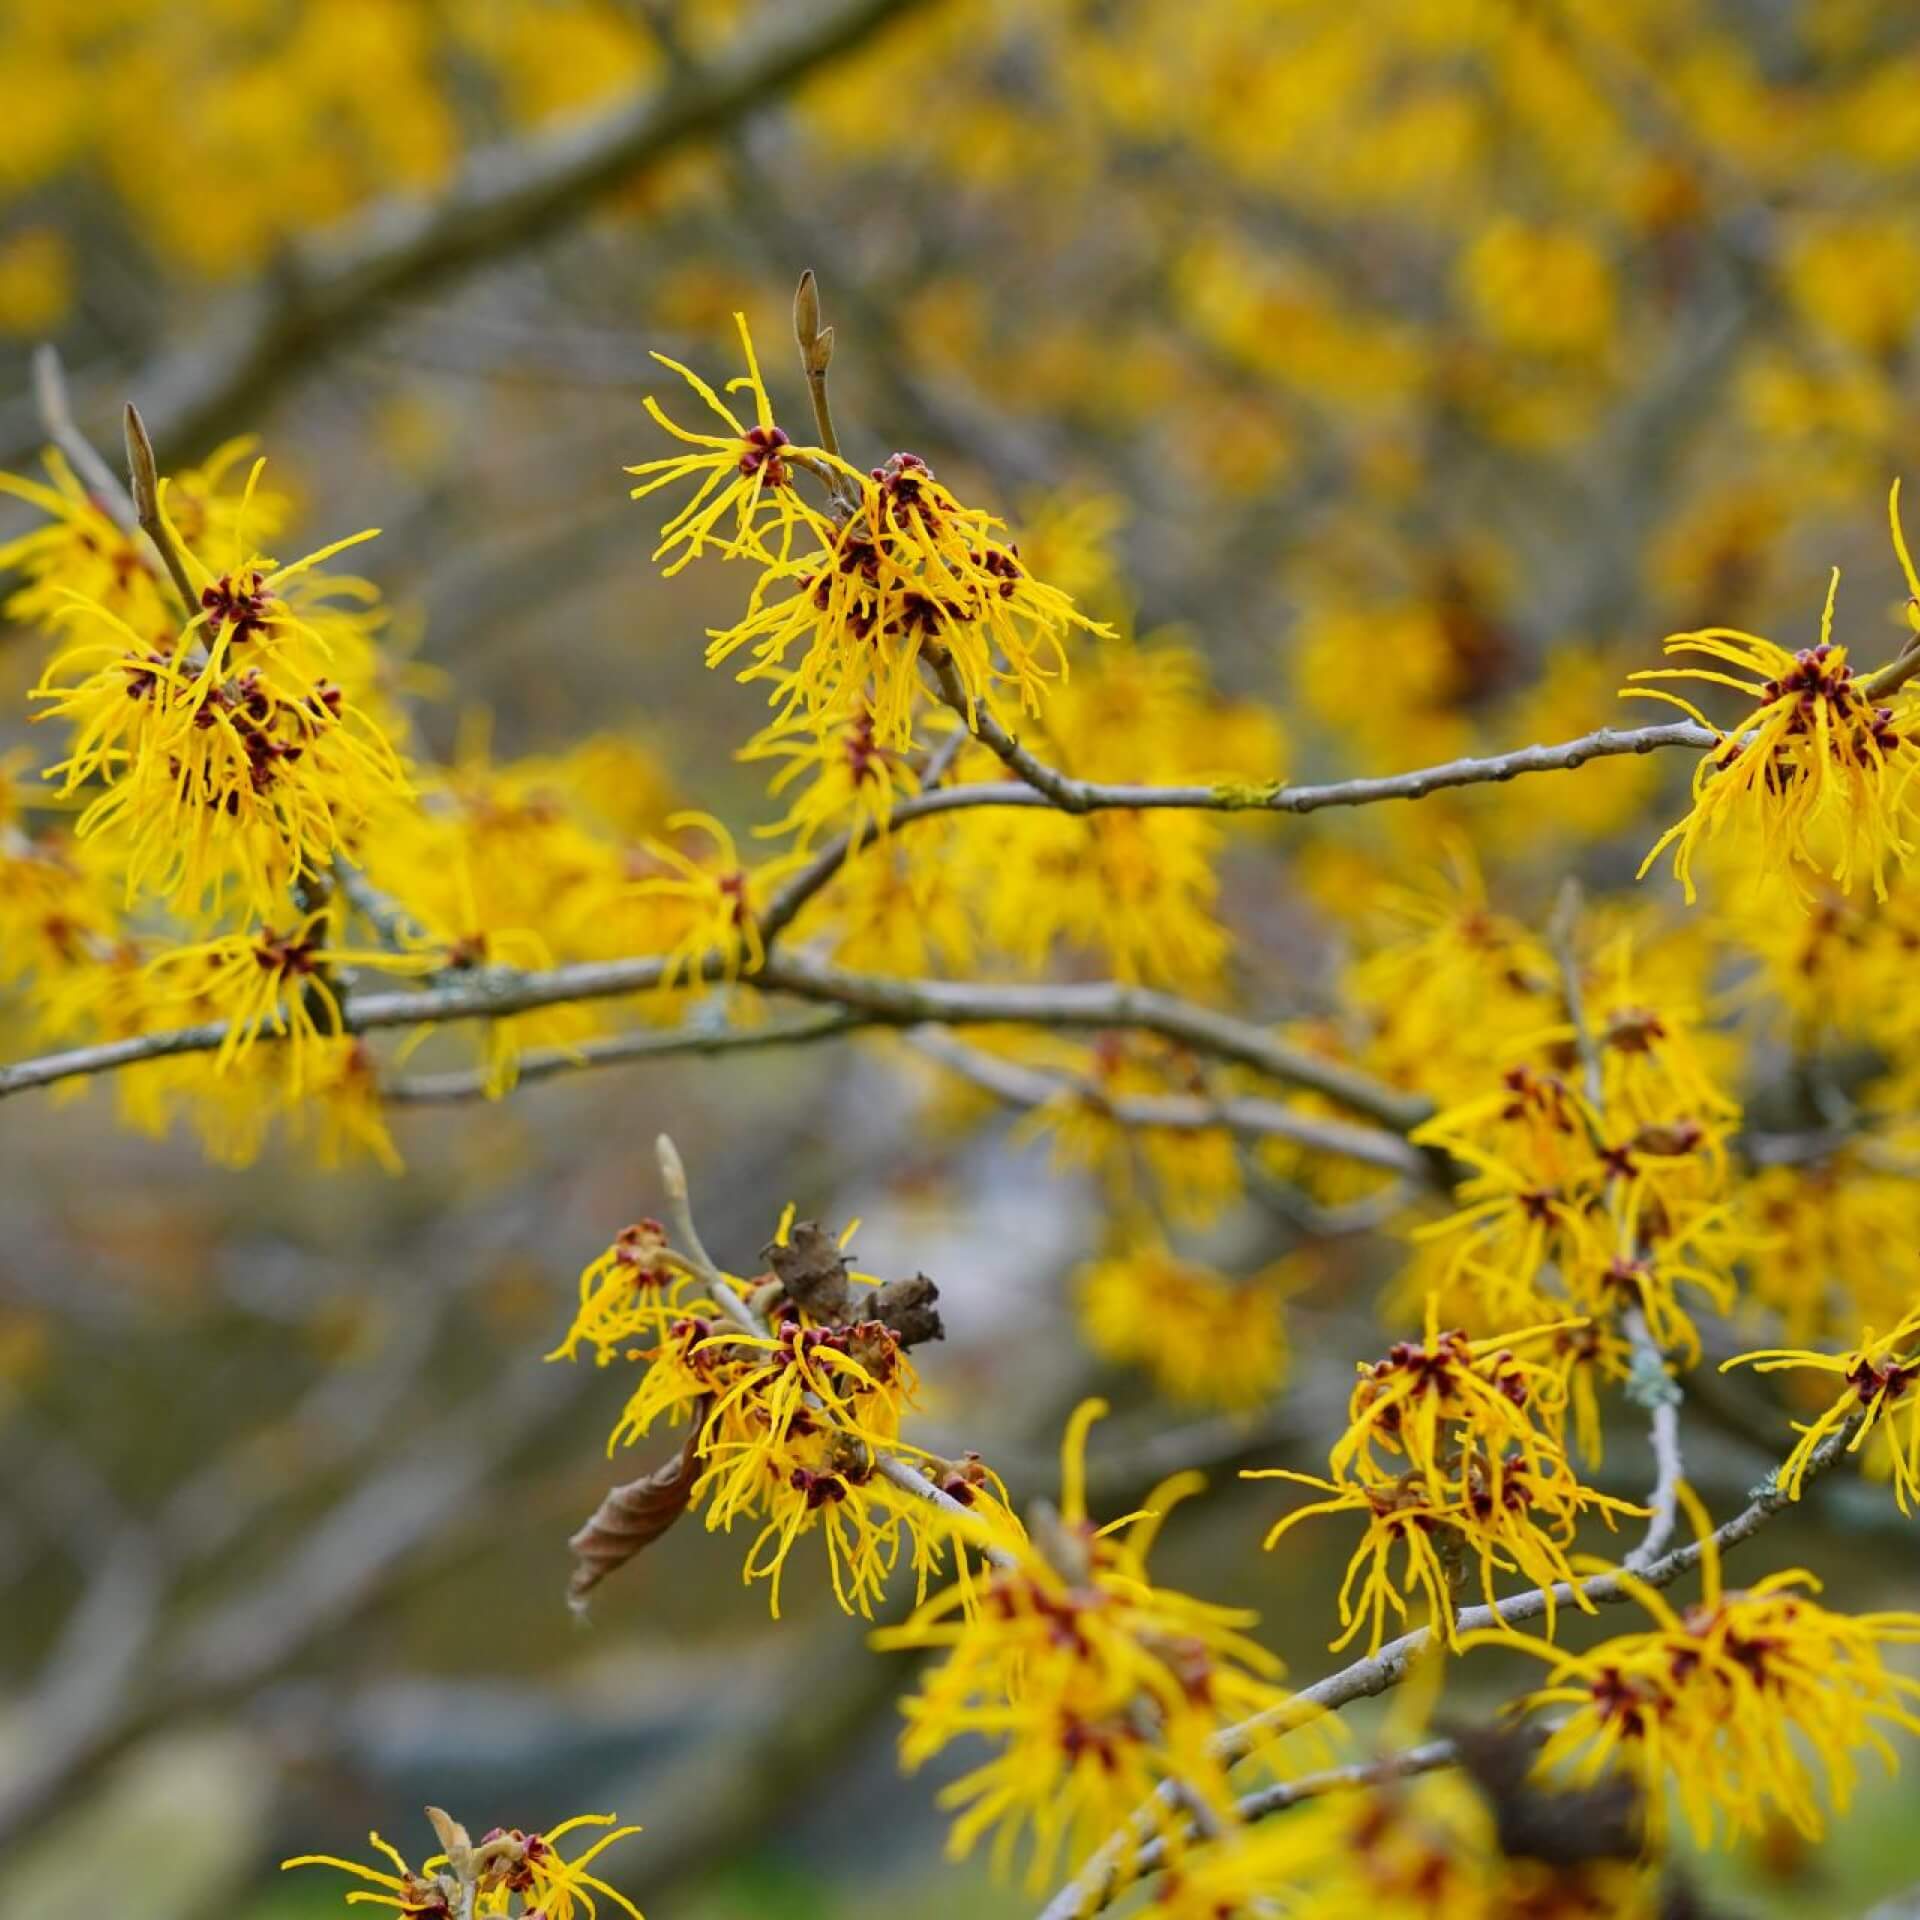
x=816, y=356
x=145, y=479
x=673, y=1177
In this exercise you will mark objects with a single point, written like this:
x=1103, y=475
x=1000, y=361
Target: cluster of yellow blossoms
x=1096, y=1688
x=1601, y=1195
x=792, y=1390
x=504, y=1873
x=1748, y=1701
x=848, y=604
x=1455, y=1451
x=1818, y=773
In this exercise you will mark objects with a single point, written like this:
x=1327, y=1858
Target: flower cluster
x=849, y=602
x=1597, y=1203
x=234, y=756
x=1817, y=773
x=1746, y=1701
x=1092, y=1685
x=505, y=1872
x=1455, y=1453
x=793, y=1391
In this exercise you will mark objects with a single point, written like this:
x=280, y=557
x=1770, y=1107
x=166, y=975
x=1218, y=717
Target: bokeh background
x=1422, y=361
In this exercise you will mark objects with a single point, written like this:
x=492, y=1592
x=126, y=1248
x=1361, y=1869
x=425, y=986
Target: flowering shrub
x=1612, y=1145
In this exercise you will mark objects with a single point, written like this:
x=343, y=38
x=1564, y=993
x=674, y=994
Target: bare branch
x=1048, y=786
x=1277, y=1798
x=1095, y=1005
x=616, y=1050
x=1043, y=786
x=816, y=356
x=1261, y=1119
x=56, y=416
x=496, y=993
x=332, y=284
x=1651, y=1385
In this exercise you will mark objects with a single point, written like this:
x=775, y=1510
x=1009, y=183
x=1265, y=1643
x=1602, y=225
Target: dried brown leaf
x=812, y=1269
x=633, y=1516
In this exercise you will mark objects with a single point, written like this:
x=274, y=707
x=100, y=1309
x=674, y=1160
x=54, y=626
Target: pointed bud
x=806, y=315
x=142, y=473
x=454, y=1842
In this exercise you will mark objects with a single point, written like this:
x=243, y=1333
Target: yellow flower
x=230, y=755
x=1204, y=1338
x=910, y=575
x=788, y=1425
x=1817, y=774
x=902, y=572
x=1833, y=1242
x=855, y=780
x=1600, y=1208
x=716, y=898
x=1882, y=1379
x=1746, y=1700
x=1090, y=1684
x=270, y=982
x=1453, y=1453
x=748, y=471
x=506, y=1871
x=1448, y=987
x=342, y=1109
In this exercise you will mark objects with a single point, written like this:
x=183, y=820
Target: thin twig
x=396, y=928
x=687, y=1241
x=56, y=416
x=329, y=286
x=1040, y=785
x=816, y=356
x=1266, y=1801
x=1894, y=675
x=1095, y=1006
x=496, y=993
x=1649, y=1383
x=909, y=1479
x=1259, y=1119
x=1050, y=786
x=1659, y=1393
x=1059, y=789
x=616, y=1050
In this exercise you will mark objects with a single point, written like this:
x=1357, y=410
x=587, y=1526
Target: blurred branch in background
x=323, y=289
